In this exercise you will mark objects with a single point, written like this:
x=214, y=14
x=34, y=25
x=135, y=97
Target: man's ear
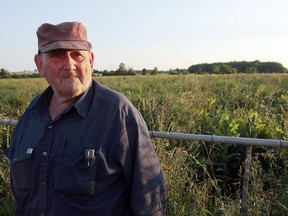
x=91, y=59
x=39, y=64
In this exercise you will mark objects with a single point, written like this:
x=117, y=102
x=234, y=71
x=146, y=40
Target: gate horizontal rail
x=220, y=139
x=8, y=122
x=200, y=137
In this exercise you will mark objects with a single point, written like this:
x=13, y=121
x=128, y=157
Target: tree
x=4, y=73
x=216, y=69
x=130, y=71
x=154, y=71
x=144, y=71
x=251, y=70
x=122, y=68
x=227, y=69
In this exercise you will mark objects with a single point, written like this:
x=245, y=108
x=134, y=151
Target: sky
x=166, y=34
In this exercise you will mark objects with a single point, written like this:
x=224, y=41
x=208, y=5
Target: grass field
x=202, y=178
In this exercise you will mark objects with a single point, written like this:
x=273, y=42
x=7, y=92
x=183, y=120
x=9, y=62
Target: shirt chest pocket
x=75, y=174
x=22, y=172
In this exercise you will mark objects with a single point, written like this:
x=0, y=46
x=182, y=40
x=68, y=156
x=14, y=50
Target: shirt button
x=42, y=214
x=50, y=126
x=43, y=183
x=44, y=154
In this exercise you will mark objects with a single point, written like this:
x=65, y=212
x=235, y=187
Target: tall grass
x=202, y=178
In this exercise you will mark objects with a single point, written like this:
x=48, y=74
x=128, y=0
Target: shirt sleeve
x=142, y=169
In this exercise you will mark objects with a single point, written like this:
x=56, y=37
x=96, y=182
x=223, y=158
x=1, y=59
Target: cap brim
x=73, y=45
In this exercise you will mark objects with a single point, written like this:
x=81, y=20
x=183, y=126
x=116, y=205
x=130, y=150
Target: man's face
x=69, y=72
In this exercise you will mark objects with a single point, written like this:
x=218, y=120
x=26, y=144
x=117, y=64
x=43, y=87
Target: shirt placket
x=44, y=150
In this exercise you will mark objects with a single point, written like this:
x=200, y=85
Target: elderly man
x=81, y=148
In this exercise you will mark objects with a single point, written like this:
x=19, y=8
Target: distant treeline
x=237, y=67
x=6, y=74
x=124, y=71
x=204, y=68
x=121, y=71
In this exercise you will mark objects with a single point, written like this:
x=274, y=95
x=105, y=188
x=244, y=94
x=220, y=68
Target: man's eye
x=77, y=56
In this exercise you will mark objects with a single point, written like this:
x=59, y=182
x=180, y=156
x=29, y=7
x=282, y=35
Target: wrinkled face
x=69, y=72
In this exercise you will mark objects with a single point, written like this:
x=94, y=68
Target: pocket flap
x=24, y=156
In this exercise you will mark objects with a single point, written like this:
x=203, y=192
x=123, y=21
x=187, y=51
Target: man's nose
x=69, y=62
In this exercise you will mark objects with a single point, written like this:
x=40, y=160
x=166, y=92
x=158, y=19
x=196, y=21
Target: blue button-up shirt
x=95, y=158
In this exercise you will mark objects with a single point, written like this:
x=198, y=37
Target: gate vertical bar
x=246, y=180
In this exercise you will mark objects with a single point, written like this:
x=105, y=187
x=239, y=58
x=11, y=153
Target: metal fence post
x=246, y=180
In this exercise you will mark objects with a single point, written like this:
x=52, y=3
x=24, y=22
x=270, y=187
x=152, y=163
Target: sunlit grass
x=202, y=178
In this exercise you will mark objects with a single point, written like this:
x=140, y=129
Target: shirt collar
x=81, y=104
